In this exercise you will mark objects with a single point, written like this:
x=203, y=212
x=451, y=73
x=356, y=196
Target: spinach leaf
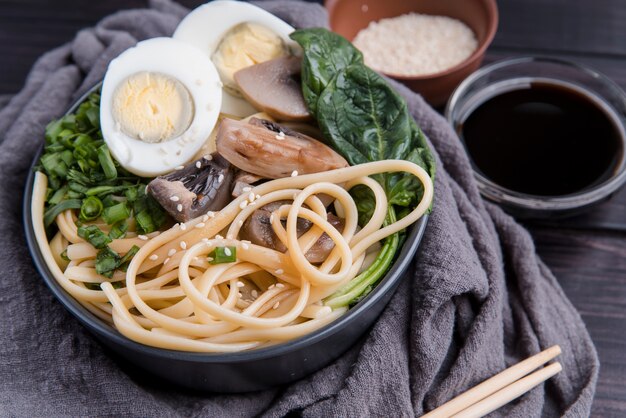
x=365, y=120
x=324, y=55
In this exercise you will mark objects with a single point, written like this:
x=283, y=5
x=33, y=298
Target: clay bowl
x=348, y=17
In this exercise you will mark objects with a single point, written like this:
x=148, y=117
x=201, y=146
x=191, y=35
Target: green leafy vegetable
x=324, y=56
x=365, y=120
x=222, y=255
x=91, y=209
x=94, y=236
x=83, y=175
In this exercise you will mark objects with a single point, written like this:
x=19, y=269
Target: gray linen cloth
x=476, y=300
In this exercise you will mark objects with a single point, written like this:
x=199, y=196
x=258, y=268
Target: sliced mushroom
x=269, y=150
x=258, y=230
x=274, y=87
x=201, y=186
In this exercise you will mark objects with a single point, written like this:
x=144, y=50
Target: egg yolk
x=152, y=107
x=244, y=45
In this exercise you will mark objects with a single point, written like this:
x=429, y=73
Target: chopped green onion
x=118, y=230
x=94, y=236
x=144, y=222
x=116, y=213
x=58, y=196
x=55, y=210
x=92, y=208
x=125, y=261
x=222, y=255
x=64, y=255
x=104, y=157
x=107, y=261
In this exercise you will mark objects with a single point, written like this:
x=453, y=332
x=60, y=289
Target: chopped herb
x=116, y=213
x=118, y=230
x=64, y=255
x=222, y=255
x=107, y=261
x=94, y=236
x=91, y=208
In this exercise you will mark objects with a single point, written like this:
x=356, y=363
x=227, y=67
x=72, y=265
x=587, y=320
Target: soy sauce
x=543, y=139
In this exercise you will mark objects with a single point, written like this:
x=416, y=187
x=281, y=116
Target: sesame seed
x=254, y=293
x=276, y=305
x=198, y=164
x=251, y=197
x=166, y=260
x=200, y=225
x=240, y=222
x=258, y=197
x=209, y=259
x=240, y=294
x=294, y=173
x=171, y=252
x=210, y=214
x=245, y=246
x=272, y=218
x=205, y=218
x=243, y=204
x=218, y=236
x=246, y=189
x=220, y=178
x=271, y=287
x=245, y=241
x=183, y=245
x=183, y=227
x=208, y=157
x=280, y=271
x=179, y=207
x=240, y=284
x=174, y=198
x=180, y=167
x=227, y=251
x=154, y=257
x=280, y=138
x=142, y=237
x=280, y=285
x=196, y=259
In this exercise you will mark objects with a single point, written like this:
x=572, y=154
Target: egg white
x=190, y=67
x=205, y=27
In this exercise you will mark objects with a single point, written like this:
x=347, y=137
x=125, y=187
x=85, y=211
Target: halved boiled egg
x=235, y=35
x=160, y=101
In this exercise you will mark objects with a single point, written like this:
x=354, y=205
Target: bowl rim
x=538, y=203
x=102, y=330
x=492, y=10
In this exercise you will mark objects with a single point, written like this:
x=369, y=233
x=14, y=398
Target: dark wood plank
x=591, y=268
x=578, y=26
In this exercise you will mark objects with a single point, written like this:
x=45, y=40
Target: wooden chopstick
x=494, y=384
x=512, y=391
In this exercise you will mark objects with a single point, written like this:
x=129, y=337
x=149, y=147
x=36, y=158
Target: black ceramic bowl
x=235, y=372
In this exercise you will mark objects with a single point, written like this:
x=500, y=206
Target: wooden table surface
x=587, y=253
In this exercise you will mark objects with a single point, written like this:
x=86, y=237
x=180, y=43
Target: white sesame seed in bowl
x=431, y=58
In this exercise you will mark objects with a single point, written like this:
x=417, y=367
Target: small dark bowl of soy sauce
x=546, y=137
